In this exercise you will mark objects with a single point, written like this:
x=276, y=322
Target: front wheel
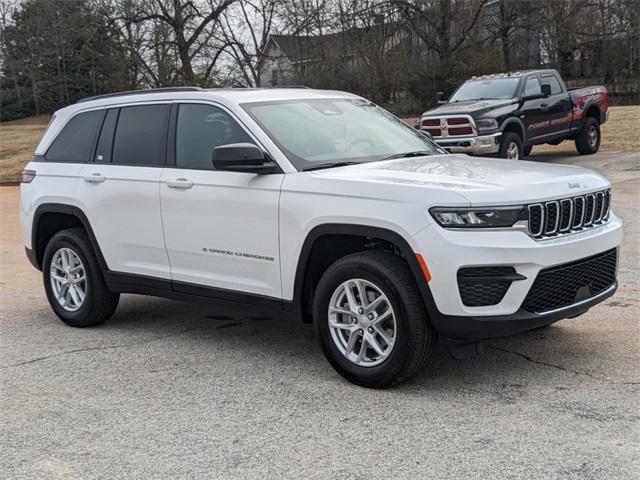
x=371, y=320
x=511, y=147
x=73, y=281
x=588, y=139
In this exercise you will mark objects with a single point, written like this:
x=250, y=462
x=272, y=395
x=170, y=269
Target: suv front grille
x=564, y=285
x=557, y=217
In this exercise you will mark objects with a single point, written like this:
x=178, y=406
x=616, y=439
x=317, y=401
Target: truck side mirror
x=440, y=98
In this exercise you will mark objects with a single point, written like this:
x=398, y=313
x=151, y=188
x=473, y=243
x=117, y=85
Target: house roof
x=300, y=48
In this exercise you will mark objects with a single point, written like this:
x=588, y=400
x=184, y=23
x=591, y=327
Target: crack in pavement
x=558, y=367
x=89, y=349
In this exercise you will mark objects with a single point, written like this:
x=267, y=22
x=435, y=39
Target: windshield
x=320, y=132
x=496, y=88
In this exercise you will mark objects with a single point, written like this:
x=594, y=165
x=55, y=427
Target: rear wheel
x=511, y=146
x=371, y=321
x=73, y=280
x=588, y=139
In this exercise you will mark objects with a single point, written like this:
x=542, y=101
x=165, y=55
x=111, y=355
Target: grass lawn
x=19, y=138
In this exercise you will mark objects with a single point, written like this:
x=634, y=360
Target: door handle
x=179, y=183
x=544, y=105
x=95, y=178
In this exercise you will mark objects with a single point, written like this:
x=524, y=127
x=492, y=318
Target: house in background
x=330, y=58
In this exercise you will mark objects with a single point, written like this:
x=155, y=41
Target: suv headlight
x=485, y=124
x=483, y=217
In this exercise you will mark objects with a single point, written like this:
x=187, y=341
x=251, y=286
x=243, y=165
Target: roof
x=299, y=48
x=221, y=95
x=516, y=74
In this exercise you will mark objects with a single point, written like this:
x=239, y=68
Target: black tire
x=415, y=337
x=588, y=138
x=526, y=151
x=99, y=303
x=506, y=145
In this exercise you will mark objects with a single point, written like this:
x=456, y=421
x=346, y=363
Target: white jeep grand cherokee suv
x=313, y=204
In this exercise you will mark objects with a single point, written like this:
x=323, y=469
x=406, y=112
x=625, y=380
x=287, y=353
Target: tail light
x=28, y=176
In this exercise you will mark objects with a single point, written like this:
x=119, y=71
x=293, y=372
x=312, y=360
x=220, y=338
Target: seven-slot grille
x=559, y=217
x=448, y=126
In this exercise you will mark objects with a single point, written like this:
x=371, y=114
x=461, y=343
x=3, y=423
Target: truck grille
x=447, y=127
x=558, y=217
x=564, y=285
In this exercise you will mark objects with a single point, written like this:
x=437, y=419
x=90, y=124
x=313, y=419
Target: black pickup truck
x=508, y=113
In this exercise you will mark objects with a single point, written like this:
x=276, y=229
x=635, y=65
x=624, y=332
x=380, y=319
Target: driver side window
x=200, y=128
x=532, y=87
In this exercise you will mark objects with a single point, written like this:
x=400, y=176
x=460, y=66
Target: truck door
x=558, y=106
x=534, y=112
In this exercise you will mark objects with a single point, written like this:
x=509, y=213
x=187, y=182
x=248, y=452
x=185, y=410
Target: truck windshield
x=317, y=133
x=491, y=89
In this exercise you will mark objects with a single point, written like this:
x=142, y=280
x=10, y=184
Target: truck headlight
x=485, y=124
x=489, y=217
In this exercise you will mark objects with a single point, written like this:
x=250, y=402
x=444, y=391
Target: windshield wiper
x=417, y=153
x=328, y=165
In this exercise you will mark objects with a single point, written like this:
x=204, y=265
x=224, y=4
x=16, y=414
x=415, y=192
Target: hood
x=475, y=107
x=481, y=181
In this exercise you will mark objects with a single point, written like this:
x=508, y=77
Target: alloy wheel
x=513, y=153
x=362, y=322
x=592, y=136
x=68, y=279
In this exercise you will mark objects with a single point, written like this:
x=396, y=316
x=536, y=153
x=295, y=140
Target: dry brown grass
x=619, y=133
x=19, y=138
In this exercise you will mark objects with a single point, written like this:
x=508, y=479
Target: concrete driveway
x=172, y=390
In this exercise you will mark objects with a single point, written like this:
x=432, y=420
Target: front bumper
x=478, y=145
x=447, y=251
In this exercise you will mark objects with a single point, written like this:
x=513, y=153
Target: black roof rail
x=290, y=86
x=140, y=92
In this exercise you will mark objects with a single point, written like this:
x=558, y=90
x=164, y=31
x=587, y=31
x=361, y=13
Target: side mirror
x=439, y=98
x=546, y=90
x=242, y=157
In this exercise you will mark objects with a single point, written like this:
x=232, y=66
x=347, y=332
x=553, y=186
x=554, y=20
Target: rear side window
x=141, y=135
x=75, y=142
x=553, y=82
x=200, y=129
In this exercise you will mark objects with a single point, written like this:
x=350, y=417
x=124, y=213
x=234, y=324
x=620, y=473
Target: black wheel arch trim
x=360, y=231
x=592, y=102
x=518, y=122
x=73, y=211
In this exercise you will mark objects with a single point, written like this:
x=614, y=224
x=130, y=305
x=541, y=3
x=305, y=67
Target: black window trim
x=163, y=152
x=113, y=136
x=173, y=130
x=94, y=143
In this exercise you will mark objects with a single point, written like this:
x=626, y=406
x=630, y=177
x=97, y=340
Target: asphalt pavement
x=174, y=390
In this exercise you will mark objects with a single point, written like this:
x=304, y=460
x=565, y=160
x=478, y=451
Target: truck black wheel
x=371, y=320
x=526, y=151
x=73, y=281
x=511, y=146
x=588, y=139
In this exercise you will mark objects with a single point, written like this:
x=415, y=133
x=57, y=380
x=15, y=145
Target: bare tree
x=191, y=24
x=246, y=28
x=444, y=26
